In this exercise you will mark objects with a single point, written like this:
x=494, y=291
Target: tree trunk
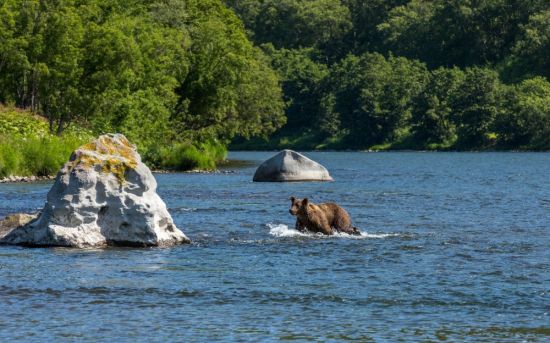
x=60, y=124
x=51, y=122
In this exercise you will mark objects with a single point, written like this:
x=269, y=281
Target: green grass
x=39, y=156
x=27, y=148
x=186, y=156
x=21, y=123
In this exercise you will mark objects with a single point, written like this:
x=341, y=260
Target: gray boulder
x=289, y=165
x=103, y=196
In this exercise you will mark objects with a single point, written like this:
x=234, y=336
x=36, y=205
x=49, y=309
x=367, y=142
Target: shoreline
x=32, y=178
x=25, y=179
x=398, y=150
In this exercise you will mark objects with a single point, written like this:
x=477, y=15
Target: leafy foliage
x=433, y=119
x=183, y=156
x=429, y=74
x=27, y=148
x=301, y=81
x=532, y=49
x=162, y=72
x=295, y=24
x=15, y=122
x=177, y=75
x=525, y=119
x=373, y=96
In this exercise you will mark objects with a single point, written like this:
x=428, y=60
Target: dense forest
x=413, y=74
x=184, y=78
x=178, y=77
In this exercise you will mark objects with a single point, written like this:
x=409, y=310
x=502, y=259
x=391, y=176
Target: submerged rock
x=103, y=196
x=14, y=221
x=288, y=165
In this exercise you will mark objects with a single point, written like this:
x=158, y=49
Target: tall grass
x=27, y=148
x=39, y=156
x=186, y=156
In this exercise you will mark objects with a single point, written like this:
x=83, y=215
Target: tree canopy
x=436, y=74
x=158, y=71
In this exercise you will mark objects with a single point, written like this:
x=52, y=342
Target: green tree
x=132, y=67
x=184, y=69
x=301, y=80
x=12, y=55
x=433, y=112
x=524, y=120
x=41, y=58
x=475, y=105
x=457, y=32
x=230, y=87
x=373, y=96
x=366, y=15
x=533, y=47
x=295, y=23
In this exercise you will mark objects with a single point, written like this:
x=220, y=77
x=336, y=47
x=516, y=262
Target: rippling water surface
x=455, y=247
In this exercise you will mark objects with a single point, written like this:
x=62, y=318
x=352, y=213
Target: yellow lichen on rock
x=116, y=145
x=114, y=154
x=103, y=196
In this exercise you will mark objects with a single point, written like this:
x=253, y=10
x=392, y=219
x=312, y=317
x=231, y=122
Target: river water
x=455, y=247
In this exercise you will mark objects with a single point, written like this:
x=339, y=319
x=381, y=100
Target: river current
x=455, y=247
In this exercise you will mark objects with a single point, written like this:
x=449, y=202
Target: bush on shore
x=27, y=148
x=38, y=156
x=186, y=156
x=42, y=156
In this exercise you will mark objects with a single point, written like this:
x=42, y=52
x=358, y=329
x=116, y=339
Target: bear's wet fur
x=323, y=218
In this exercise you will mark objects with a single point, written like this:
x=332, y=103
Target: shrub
x=27, y=147
x=17, y=122
x=186, y=156
x=40, y=156
x=9, y=159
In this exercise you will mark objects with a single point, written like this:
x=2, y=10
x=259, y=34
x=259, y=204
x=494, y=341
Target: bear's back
x=336, y=215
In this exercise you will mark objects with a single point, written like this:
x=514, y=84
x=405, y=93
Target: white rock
x=289, y=165
x=103, y=196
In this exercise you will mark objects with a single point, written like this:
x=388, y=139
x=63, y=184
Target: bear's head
x=298, y=206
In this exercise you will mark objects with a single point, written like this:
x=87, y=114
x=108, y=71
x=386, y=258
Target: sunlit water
x=454, y=246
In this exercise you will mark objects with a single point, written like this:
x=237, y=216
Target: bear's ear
x=292, y=199
x=305, y=202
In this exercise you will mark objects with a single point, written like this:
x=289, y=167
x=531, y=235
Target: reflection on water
x=454, y=247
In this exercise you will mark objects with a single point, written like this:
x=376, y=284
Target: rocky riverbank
x=10, y=179
x=23, y=179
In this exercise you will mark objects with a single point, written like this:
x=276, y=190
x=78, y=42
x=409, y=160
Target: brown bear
x=321, y=218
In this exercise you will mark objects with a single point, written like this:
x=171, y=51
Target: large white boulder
x=288, y=165
x=103, y=196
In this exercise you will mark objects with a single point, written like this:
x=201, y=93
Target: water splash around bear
x=282, y=230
